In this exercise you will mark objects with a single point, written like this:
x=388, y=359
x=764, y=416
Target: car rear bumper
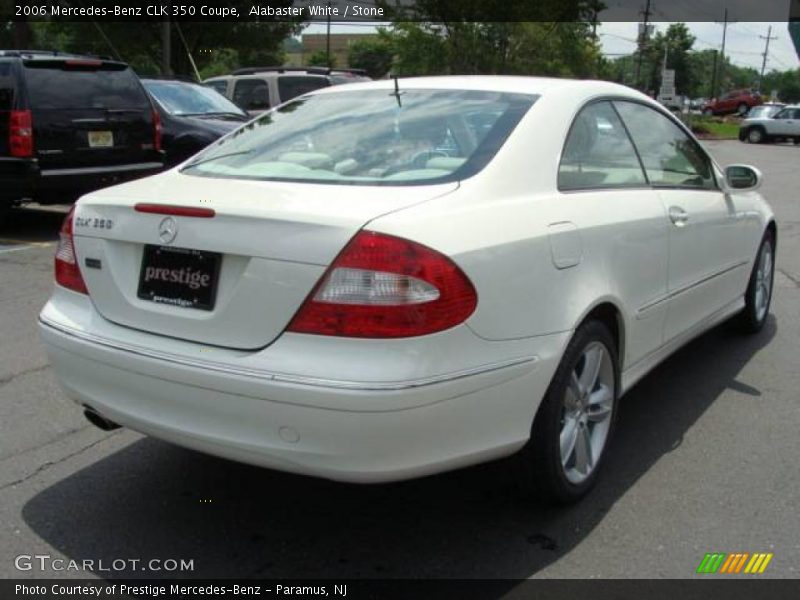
x=342, y=429
x=24, y=178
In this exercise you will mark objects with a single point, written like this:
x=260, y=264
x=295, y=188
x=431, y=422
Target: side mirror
x=743, y=177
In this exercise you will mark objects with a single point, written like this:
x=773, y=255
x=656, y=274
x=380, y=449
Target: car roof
x=496, y=83
x=54, y=55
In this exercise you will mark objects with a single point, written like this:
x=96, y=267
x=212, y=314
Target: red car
x=735, y=101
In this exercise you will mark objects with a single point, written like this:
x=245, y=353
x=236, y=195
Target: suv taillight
x=157, y=131
x=20, y=133
x=381, y=286
x=68, y=274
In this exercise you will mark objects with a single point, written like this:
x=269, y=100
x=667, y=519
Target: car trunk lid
x=266, y=246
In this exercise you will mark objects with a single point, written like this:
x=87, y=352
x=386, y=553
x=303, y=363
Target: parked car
x=736, y=101
x=71, y=124
x=257, y=89
x=192, y=116
x=328, y=291
x=778, y=124
x=767, y=109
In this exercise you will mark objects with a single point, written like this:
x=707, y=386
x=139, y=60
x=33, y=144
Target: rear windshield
x=370, y=137
x=186, y=99
x=53, y=86
x=292, y=86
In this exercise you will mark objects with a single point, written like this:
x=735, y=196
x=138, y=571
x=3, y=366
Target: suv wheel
x=708, y=112
x=755, y=135
x=742, y=109
x=575, y=420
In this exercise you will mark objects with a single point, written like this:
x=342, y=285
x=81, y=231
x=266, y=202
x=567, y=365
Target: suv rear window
x=6, y=86
x=60, y=86
x=292, y=86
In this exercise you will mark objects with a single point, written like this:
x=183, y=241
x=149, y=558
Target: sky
x=743, y=45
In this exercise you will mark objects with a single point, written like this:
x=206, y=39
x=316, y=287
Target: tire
x=758, y=296
x=755, y=135
x=540, y=469
x=742, y=109
x=708, y=112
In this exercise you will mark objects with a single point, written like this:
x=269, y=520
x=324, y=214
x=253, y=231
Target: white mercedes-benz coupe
x=386, y=280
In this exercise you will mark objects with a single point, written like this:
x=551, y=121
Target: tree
x=320, y=59
x=249, y=43
x=566, y=49
x=674, y=45
x=375, y=56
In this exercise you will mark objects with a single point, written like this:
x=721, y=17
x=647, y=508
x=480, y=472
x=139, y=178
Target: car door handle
x=678, y=216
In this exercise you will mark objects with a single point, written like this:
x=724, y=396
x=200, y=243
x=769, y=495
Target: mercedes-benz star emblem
x=168, y=230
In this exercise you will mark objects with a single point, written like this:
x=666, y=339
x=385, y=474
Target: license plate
x=179, y=277
x=101, y=139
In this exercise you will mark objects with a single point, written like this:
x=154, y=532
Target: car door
x=707, y=235
x=786, y=122
x=608, y=204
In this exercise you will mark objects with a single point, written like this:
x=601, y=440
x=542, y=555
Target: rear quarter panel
x=497, y=228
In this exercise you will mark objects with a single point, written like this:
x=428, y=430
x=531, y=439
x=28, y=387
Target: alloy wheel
x=763, y=281
x=587, y=409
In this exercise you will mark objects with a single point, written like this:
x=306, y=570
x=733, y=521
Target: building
x=312, y=43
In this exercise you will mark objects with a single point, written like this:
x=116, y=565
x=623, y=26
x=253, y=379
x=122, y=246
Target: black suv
x=71, y=124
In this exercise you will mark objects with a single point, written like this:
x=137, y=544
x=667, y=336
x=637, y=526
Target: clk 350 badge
x=94, y=222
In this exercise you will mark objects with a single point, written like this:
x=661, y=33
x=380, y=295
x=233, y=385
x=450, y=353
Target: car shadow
x=27, y=225
x=155, y=500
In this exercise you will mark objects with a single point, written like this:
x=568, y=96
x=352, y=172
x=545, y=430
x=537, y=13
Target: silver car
x=778, y=124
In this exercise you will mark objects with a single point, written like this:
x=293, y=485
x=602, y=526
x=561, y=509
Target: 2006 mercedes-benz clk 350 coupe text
x=391, y=279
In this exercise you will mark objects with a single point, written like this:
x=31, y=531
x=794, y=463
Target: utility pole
x=643, y=35
x=721, y=78
x=166, y=46
x=712, y=91
x=766, y=53
x=328, y=39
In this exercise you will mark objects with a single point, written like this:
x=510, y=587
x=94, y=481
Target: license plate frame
x=100, y=139
x=185, y=268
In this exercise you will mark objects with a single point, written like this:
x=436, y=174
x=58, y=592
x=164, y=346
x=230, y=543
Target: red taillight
x=157, y=131
x=68, y=274
x=20, y=133
x=381, y=286
x=177, y=211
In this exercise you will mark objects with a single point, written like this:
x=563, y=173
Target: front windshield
x=763, y=112
x=189, y=99
x=372, y=137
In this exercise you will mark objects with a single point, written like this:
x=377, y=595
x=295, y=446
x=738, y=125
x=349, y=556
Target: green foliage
x=373, y=55
x=420, y=49
x=215, y=46
x=566, y=49
x=320, y=59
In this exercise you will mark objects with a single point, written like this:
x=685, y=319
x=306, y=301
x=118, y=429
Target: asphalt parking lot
x=705, y=460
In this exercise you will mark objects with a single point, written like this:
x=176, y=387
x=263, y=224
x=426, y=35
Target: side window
x=671, y=158
x=598, y=152
x=251, y=94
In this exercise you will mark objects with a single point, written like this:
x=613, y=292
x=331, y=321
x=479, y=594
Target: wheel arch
x=609, y=313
